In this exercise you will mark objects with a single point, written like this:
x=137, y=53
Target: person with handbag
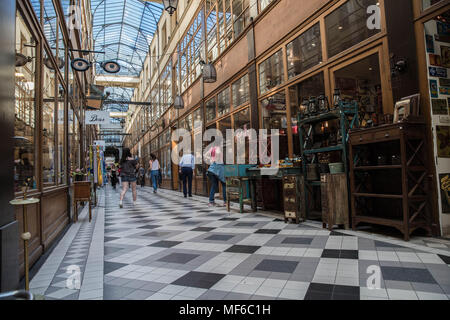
x=216, y=174
x=154, y=172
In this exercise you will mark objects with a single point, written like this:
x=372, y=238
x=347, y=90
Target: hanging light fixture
x=170, y=6
x=22, y=60
x=178, y=103
x=60, y=63
x=209, y=72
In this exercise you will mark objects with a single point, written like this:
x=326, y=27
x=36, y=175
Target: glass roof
x=124, y=29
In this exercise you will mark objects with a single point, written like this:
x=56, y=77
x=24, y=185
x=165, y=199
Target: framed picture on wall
x=445, y=56
x=444, y=186
x=430, y=43
x=434, y=89
x=443, y=141
x=435, y=60
x=439, y=107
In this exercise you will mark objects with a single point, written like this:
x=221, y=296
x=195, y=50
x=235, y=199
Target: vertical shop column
x=9, y=275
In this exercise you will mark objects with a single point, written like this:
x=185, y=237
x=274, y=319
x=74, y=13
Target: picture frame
x=434, y=89
x=443, y=141
x=439, y=107
x=435, y=60
x=402, y=110
x=407, y=106
x=445, y=56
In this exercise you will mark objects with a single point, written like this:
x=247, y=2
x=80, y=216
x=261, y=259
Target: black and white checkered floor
x=168, y=247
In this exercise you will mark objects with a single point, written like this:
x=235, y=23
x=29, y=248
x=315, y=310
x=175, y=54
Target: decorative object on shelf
x=304, y=108
x=312, y=172
x=396, y=160
x=170, y=6
x=388, y=118
x=332, y=140
x=324, y=106
x=336, y=168
x=336, y=98
x=401, y=111
x=312, y=106
x=381, y=160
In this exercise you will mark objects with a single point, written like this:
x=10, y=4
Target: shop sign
x=97, y=117
x=438, y=72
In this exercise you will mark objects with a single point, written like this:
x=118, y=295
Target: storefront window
x=223, y=102
x=274, y=118
x=263, y=4
x=25, y=113
x=62, y=178
x=271, y=72
x=304, y=52
x=211, y=110
x=241, y=91
x=188, y=123
x=242, y=122
x=347, y=26
x=224, y=125
x=48, y=123
x=361, y=82
x=198, y=136
x=311, y=87
x=429, y=3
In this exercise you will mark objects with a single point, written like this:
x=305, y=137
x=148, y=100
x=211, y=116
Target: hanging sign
x=97, y=117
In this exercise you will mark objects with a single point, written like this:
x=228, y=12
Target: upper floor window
x=241, y=91
x=271, y=72
x=304, y=52
x=347, y=26
x=263, y=4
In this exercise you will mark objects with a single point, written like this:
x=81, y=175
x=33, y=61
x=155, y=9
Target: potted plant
x=78, y=175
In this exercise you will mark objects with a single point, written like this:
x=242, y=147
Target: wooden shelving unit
x=395, y=195
x=347, y=115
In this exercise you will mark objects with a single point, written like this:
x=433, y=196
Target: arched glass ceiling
x=123, y=29
x=116, y=93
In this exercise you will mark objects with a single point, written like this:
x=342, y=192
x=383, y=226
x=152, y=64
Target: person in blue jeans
x=187, y=166
x=154, y=172
x=216, y=174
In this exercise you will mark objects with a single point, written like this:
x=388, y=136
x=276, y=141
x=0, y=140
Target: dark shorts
x=128, y=179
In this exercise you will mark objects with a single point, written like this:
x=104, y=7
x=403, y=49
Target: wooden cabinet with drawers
x=293, y=197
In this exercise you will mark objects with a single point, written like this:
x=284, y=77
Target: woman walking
x=128, y=175
x=142, y=175
x=154, y=172
x=113, y=176
x=216, y=173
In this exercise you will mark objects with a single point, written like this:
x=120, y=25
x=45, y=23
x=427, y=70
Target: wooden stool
x=235, y=191
x=81, y=192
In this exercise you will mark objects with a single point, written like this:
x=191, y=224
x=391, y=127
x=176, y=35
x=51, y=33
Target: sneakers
x=134, y=203
x=121, y=204
x=211, y=204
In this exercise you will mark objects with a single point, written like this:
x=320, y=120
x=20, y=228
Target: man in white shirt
x=187, y=166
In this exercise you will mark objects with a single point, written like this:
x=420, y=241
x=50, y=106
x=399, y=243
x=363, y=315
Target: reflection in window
x=271, y=72
x=62, y=178
x=242, y=122
x=361, y=82
x=241, y=91
x=25, y=113
x=241, y=16
x=223, y=102
x=347, y=26
x=311, y=87
x=428, y=3
x=304, y=52
x=48, y=119
x=198, y=136
x=274, y=118
x=211, y=110
x=263, y=4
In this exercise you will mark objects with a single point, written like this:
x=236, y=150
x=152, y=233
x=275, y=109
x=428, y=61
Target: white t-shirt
x=155, y=165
